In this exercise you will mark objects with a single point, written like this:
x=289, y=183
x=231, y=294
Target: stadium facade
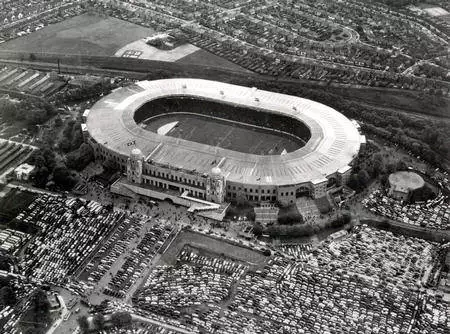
x=154, y=162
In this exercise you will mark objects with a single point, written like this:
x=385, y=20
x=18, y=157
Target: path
x=60, y=319
x=136, y=317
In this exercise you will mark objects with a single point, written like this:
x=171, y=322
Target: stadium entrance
x=303, y=192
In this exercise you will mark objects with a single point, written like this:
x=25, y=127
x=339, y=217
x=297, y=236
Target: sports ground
x=84, y=34
x=225, y=134
x=94, y=35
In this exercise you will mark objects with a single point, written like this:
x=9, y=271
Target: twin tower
x=213, y=187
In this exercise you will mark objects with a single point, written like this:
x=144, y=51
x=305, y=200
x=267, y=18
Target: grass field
x=84, y=34
x=225, y=134
x=205, y=58
x=94, y=35
x=211, y=245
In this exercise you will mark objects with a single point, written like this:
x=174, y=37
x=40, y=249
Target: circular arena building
x=219, y=142
x=403, y=184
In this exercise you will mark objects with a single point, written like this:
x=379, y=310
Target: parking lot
x=212, y=245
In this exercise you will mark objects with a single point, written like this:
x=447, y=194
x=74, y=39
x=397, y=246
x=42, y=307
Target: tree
x=62, y=177
x=7, y=296
x=8, y=108
x=363, y=178
x=391, y=167
x=378, y=165
x=401, y=165
x=64, y=145
x=58, y=122
x=257, y=229
x=40, y=301
x=83, y=323
x=81, y=157
x=121, y=319
x=353, y=182
x=99, y=321
x=40, y=307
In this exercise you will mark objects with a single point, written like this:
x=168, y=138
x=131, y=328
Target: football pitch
x=85, y=34
x=225, y=134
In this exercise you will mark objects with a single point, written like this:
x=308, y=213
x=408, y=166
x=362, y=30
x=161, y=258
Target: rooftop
x=334, y=142
x=406, y=181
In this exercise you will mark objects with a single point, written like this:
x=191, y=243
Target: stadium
x=213, y=142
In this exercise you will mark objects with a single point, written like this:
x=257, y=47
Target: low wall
x=408, y=230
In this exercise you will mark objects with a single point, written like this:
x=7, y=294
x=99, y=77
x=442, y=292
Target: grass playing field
x=88, y=34
x=225, y=134
x=84, y=34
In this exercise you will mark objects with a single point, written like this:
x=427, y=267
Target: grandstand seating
x=224, y=111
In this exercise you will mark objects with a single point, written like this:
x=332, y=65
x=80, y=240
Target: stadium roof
x=334, y=141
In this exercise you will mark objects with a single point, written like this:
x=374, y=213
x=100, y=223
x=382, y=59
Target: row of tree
x=304, y=230
x=48, y=169
x=7, y=294
x=72, y=137
x=31, y=111
x=99, y=321
x=422, y=136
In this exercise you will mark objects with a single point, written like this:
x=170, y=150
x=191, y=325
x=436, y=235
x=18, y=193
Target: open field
x=210, y=245
x=93, y=35
x=395, y=99
x=139, y=49
x=85, y=34
x=205, y=58
x=225, y=134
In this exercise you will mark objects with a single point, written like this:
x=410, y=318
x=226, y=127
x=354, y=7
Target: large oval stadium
x=217, y=141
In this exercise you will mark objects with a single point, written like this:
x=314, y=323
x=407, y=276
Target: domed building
x=136, y=154
x=216, y=171
x=403, y=184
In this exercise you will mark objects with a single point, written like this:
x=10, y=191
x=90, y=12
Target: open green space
x=205, y=58
x=223, y=133
x=84, y=34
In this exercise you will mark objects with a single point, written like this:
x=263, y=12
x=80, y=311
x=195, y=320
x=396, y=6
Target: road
x=60, y=319
x=70, y=324
x=136, y=317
